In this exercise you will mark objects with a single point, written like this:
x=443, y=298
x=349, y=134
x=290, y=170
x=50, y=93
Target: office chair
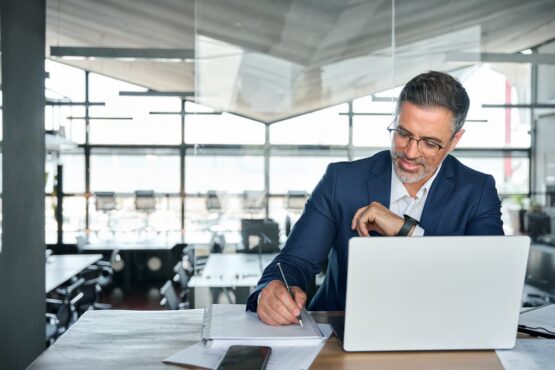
x=145, y=202
x=52, y=325
x=195, y=261
x=105, y=201
x=95, y=278
x=64, y=308
x=170, y=300
x=182, y=279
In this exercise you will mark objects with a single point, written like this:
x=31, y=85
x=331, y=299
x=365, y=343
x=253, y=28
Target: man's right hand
x=275, y=305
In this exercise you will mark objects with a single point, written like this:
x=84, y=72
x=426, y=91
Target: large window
x=126, y=173
x=203, y=185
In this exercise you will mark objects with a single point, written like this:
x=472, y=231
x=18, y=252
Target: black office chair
x=94, y=278
x=170, y=300
x=64, y=307
x=52, y=325
x=182, y=279
x=193, y=262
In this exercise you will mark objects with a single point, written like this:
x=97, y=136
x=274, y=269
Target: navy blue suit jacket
x=461, y=201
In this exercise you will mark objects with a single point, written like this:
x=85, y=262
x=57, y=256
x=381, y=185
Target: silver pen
x=289, y=290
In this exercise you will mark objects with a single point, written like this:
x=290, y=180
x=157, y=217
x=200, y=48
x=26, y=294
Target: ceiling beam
x=123, y=53
x=183, y=94
x=501, y=58
x=528, y=106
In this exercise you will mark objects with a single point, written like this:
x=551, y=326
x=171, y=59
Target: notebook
x=433, y=293
x=230, y=323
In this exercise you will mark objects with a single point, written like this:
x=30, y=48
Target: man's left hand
x=375, y=217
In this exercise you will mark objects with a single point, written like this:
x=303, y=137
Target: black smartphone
x=245, y=358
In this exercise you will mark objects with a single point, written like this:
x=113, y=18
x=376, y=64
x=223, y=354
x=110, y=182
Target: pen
x=289, y=290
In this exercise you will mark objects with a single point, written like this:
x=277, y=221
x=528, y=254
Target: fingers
x=276, y=307
x=376, y=217
x=354, y=222
x=362, y=220
x=300, y=296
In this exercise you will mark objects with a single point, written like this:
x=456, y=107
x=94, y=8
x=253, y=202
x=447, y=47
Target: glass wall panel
x=128, y=119
x=219, y=190
x=511, y=174
x=73, y=166
x=224, y=128
x=497, y=127
x=64, y=83
x=127, y=222
x=371, y=131
x=325, y=126
x=297, y=172
x=231, y=174
x=129, y=172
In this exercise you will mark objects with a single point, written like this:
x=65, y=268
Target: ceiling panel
x=270, y=60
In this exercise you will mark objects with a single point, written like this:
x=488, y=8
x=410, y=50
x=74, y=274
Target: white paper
x=282, y=357
x=543, y=317
x=231, y=322
x=529, y=354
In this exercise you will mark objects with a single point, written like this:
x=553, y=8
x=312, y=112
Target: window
x=124, y=172
x=325, y=126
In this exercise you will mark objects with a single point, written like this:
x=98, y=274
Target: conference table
x=142, y=339
x=61, y=268
x=232, y=270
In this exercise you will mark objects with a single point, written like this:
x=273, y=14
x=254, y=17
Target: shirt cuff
x=418, y=231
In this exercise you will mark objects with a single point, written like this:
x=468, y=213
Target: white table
x=60, y=268
x=232, y=270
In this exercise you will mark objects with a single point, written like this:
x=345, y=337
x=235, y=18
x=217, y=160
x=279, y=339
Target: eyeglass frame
x=393, y=130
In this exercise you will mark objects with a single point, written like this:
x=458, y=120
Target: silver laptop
x=434, y=293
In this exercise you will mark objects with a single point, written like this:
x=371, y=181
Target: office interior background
x=170, y=122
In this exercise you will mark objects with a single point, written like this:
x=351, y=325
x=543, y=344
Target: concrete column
x=22, y=306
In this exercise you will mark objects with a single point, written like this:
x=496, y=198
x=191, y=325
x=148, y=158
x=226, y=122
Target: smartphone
x=245, y=358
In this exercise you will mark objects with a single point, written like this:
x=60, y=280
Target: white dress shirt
x=402, y=203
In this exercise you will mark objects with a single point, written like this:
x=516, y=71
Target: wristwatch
x=407, y=226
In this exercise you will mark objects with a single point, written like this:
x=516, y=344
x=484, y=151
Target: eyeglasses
x=402, y=139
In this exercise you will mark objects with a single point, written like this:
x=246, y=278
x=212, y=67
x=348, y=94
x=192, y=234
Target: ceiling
x=270, y=60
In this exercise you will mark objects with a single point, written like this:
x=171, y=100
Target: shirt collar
x=398, y=190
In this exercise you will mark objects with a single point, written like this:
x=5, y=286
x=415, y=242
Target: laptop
x=433, y=293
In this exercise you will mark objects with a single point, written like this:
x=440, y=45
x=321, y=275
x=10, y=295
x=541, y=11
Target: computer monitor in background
x=540, y=272
x=539, y=223
x=260, y=236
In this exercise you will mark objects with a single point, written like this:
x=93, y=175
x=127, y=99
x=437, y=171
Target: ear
x=456, y=139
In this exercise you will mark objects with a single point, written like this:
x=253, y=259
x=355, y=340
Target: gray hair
x=437, y=89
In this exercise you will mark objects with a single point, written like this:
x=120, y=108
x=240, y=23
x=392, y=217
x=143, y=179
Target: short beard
x=408, y=177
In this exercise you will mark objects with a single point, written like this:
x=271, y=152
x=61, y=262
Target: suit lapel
x=379, y=184
x=437, y=198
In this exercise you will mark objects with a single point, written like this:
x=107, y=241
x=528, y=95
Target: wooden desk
x=60, y=268
x=142, y=339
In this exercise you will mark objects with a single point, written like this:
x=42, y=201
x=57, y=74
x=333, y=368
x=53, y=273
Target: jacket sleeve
x=309, y=242
x=487, y=219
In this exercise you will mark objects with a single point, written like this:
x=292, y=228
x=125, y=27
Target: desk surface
x=126, y=245
x=232, y=270
x=60, y=268
x=142, y=339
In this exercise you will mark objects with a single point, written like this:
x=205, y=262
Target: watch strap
x=407, y=226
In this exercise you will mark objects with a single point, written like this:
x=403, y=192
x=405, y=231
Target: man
x=414, y=189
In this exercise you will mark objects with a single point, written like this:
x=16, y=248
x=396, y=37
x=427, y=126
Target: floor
x=147, y=297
